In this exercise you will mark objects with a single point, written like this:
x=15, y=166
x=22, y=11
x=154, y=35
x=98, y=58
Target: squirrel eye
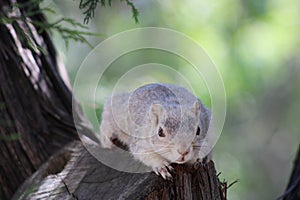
x=198, y=131
x=161, y=132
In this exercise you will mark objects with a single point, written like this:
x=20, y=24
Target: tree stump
x=73, y=173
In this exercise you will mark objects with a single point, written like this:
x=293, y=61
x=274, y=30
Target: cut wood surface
x=73, y=173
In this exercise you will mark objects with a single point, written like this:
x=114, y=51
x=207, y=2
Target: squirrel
x=160, y=123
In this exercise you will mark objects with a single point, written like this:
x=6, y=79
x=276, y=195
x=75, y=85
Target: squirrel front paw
x=163, y=169
x=158, y=164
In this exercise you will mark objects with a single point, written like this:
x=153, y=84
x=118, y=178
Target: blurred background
x=255, y=46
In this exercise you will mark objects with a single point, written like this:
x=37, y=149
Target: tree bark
x=38, y=136
x=35, y=103
x=293, y=189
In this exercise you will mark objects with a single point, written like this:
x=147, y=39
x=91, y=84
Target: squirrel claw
x=170, y=168
x=163, y=171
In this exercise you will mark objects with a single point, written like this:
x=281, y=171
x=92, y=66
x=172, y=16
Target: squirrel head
x=176, y=131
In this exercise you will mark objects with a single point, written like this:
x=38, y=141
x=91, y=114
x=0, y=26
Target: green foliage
x=89, y=7
x=134, y=11
x=26, y=13
x=60, y=26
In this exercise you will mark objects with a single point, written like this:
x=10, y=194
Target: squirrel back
x=166, y=120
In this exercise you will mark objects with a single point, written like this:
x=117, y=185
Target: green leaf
x=89, y=7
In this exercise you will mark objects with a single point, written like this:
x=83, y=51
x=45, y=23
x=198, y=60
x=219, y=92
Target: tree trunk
x=36, y=121
x=35, y=103
x=293, y=188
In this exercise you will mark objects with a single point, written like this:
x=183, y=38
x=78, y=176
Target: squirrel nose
x=183, y=153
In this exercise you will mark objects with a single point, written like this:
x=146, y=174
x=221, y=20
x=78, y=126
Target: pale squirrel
x=160, y=123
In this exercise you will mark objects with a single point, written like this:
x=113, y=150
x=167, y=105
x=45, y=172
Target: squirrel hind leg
x=113, y=142
x=118, y=143
x=106, y=136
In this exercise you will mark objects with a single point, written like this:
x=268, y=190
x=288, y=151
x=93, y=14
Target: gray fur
x=136, y=118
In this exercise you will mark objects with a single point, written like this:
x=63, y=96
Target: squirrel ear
x=196, y=108
x=157, y=112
